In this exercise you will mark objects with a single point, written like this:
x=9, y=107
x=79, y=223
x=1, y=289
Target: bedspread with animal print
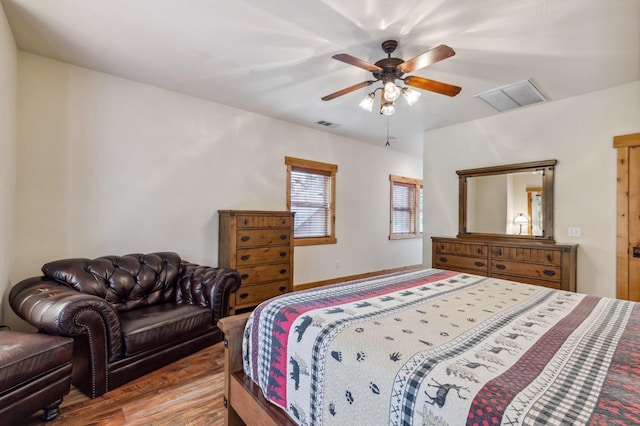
x=433, y=347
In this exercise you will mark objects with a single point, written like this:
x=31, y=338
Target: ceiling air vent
x=327, y=124
x=511, y=96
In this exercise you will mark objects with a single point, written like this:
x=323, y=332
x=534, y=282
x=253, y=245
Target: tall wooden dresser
x=259, y=245
x=549, y=265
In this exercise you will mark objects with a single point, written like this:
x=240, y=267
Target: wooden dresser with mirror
x=505, y=227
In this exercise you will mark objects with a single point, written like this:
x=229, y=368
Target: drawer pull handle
x=500, y=252
x=283, y=271
x=479, y=264
x=549, y=257
x=244, y=257
x=499, y=266
x=549, y=273
x=244, y=276
x=284, y=221
x=283, y=236
x=443, y=259
x=245, y=238
x=283, y=253
x=246, y=221
x=282, y=289
x=244, y=295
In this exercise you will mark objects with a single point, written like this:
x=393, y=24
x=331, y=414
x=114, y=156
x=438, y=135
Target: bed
x=434, y=347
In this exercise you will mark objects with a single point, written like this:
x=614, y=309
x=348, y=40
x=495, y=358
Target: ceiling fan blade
x=352, y=60
x=348, y=90
x=429, y=57
x=432, y=85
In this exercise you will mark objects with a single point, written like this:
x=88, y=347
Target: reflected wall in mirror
x=512, y=201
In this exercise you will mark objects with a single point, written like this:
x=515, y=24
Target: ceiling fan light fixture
x=388, y=70
x=410, y=95
x=367, y=103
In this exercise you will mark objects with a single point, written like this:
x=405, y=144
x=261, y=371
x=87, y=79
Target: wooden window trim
x=417, y=184
x=318, y=168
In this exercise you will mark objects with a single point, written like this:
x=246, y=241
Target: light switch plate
x=573, y=231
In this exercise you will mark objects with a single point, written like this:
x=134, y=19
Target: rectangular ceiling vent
x=511, y=96
x=327, y=124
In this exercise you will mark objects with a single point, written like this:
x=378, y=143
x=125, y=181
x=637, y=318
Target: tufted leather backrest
x=127, y=282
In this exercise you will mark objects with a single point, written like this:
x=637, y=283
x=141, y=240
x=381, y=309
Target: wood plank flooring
x=187, y=392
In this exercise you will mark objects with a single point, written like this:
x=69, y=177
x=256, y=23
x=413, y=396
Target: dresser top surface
x=254, y=212
x=506, y=243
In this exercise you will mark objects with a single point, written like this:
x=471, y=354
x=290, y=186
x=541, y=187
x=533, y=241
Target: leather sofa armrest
x=208, y=286
x=56, y=309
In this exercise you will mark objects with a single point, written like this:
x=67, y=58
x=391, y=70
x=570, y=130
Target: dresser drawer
x=260, y=255
x=557, y=285
x=262, y=237
x=533, y=270
x=477, y=265
x=261, y=273
x=520, y=254
x=462, y=249
x=249, y=221
x=257, y=293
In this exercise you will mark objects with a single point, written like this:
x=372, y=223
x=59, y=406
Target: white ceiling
x=273, y=57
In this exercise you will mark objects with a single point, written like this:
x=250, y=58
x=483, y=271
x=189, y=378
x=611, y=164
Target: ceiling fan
x=389, y=69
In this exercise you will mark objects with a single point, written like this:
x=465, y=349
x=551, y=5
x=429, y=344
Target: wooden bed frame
x=243, y=399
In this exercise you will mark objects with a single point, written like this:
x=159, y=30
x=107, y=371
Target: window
x=406, y=208
x=311, y=194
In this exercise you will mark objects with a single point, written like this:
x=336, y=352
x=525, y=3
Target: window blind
x=311, y=202
x=403, y=208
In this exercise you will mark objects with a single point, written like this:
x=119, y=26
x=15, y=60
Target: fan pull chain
x=387, y=144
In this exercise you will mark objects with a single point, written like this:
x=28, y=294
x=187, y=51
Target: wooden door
x=628, y=217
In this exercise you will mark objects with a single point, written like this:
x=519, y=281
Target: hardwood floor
x=187, y=392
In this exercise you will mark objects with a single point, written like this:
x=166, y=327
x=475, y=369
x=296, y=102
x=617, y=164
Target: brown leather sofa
x=35, y=374
x=128, y=315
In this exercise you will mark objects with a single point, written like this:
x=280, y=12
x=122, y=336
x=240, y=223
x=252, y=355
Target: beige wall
x=8, y=107
x=111, y=166
x=487, y=204
x=578, y=132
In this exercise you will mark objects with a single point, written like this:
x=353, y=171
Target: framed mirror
x=513, y=201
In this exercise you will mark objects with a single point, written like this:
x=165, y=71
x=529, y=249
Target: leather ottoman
x=35, y=374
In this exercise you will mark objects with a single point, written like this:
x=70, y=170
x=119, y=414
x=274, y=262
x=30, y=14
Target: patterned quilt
x=433, y=347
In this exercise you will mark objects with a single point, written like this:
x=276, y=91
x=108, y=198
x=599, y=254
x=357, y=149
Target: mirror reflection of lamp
x=521, y=219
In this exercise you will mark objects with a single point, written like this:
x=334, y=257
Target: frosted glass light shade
x=388, y=108
x=410, y=95
x=391, y=91
x=367, y=102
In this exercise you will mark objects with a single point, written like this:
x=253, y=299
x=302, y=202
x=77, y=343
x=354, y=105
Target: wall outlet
x=573, y=231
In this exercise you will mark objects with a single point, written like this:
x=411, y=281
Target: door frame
x=624, y=290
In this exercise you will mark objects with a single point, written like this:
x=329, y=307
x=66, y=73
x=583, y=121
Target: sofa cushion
x=154, y=326
x=126, y=282
x=25, y=356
